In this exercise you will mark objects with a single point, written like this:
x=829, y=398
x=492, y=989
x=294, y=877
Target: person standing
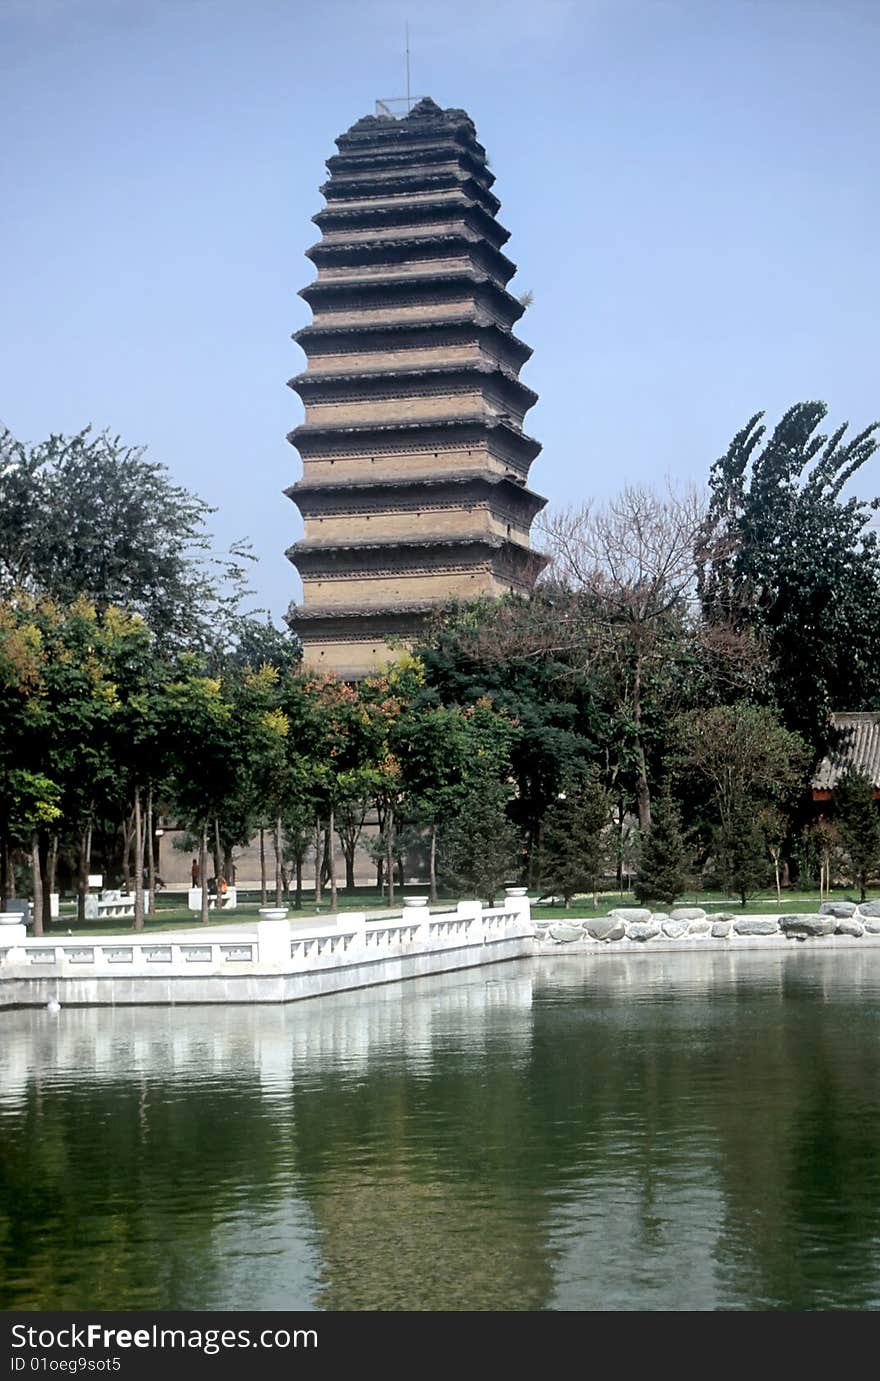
x=195, y=872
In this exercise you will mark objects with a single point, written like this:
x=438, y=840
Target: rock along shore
x=687, y=927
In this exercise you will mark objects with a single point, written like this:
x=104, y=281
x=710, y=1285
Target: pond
x=640, y=1132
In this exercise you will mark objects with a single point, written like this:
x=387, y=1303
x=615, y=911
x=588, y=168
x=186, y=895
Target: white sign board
x=96, y=879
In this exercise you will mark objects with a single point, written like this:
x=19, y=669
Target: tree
x=783, y=554
x=740, y=852
x=735, y=761
x=480, y=849
x=444, y=751
x=664, y=862
x=89, y=516
x=742, y=755
x=775, y=826
x=857, y=817
x=528, y=662
x=634, y=558
x=196, y=719
x=574, y=846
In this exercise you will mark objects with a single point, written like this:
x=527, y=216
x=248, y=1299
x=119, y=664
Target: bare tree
x=634, y=557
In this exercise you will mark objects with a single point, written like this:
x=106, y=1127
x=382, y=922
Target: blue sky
x=691, y=187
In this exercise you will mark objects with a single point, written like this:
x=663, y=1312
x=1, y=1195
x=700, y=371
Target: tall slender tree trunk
x=389, y=861
x=127, y=837
x=643, y=794
x=262, y=866
x=432, y=863
x=218, y=852
x=331, y=827
x=325, y=859
x=299, y=881
x=317, y=860
x=138, y=861
x=380, y=862
x=4, y=873
x=10, y=872
x=37, y=883
x=85, y=863
x=52, y=865
x=44, y=878
x=151, y=855
x=278, y=888
x=203, y=872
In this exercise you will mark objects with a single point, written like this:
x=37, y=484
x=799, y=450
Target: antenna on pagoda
x=408, y=101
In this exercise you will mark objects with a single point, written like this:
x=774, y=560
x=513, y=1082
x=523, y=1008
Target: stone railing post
x=273, y=939
x=356, y=921
x=472, y=911
x=419, y=916
x=516, y=899
x=13, y=932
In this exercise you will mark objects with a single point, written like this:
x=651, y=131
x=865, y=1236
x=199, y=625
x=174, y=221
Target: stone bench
x=112, y=903
x=227, y=902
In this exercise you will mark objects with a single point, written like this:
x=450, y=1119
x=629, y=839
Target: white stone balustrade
x=281, y=961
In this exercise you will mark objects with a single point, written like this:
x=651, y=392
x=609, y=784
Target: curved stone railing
x=353, y=949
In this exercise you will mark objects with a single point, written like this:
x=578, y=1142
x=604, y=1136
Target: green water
x=622, y=1133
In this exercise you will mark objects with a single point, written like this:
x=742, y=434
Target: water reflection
x=628, y=1132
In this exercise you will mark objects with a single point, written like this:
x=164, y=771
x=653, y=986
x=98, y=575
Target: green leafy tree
x=574, y=845
x=480, y=848
x=783, y=553
x=525, y=660
x=741, y=753
x=740, y=853
x=443, y=750
x=88, y=516
x=664, y=861
x=196, y=719
x=857, y=816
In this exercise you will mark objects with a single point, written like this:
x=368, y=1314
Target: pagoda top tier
x=425, y=119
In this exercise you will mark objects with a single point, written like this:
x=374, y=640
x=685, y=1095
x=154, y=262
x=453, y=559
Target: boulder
x=799, y=927
x=869, y=908
x=631, y=913
x=756, y=925
x=606, y=928
x=701, y=926
x=872, y=925
x=688, y=913
x=847, y=925
x=721, y=929
x=840, y=909
x=642, y=930
x=675, y=929
x=564, y=934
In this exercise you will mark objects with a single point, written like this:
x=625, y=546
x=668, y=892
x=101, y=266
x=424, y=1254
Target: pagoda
x=415, y=463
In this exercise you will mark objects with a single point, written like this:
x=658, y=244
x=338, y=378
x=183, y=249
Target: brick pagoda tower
x=415, y=463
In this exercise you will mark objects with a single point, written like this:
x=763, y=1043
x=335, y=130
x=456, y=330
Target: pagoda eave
x=321, y=386
x=478, y=321
x=455, y=479
x=476, y=428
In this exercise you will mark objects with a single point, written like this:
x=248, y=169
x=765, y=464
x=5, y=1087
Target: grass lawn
x=172, y=915
x=712, y=902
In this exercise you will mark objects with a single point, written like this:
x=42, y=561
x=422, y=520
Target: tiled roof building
x=856, y=745
x=415, y=461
